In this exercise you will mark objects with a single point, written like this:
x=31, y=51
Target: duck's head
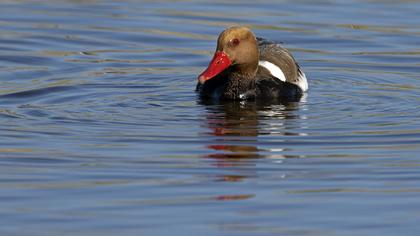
x=236, y=46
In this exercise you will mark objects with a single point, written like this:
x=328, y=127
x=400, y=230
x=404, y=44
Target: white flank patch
x=274, y=70
x=302, y=82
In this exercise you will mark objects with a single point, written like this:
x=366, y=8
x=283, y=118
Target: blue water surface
x=101, y=132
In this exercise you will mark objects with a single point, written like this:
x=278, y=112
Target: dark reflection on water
x=101, y=132
x=239, y=122
x=235, y=128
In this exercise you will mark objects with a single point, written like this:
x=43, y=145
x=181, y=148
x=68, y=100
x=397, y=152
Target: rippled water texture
x=101, y=132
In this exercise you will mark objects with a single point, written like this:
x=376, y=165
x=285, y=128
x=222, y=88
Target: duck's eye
x=234, y=42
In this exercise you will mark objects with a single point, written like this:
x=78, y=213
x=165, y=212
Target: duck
x=245, y=67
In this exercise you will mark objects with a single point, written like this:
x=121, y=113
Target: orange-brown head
x=236, y=46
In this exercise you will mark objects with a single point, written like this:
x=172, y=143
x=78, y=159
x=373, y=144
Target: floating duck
x=247, y=68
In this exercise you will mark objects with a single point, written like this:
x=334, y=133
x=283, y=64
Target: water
x=101, y=132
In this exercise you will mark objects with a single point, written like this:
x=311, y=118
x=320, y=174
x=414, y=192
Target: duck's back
x=278, y=63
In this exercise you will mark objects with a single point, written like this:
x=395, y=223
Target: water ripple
x=102, y=133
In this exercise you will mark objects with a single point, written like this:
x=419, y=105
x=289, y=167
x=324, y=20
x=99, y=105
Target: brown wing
x=279, y=56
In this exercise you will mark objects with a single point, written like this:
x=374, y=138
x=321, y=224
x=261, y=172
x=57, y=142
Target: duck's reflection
x=238, y=128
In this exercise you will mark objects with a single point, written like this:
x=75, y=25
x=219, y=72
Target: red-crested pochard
x=245, y=67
